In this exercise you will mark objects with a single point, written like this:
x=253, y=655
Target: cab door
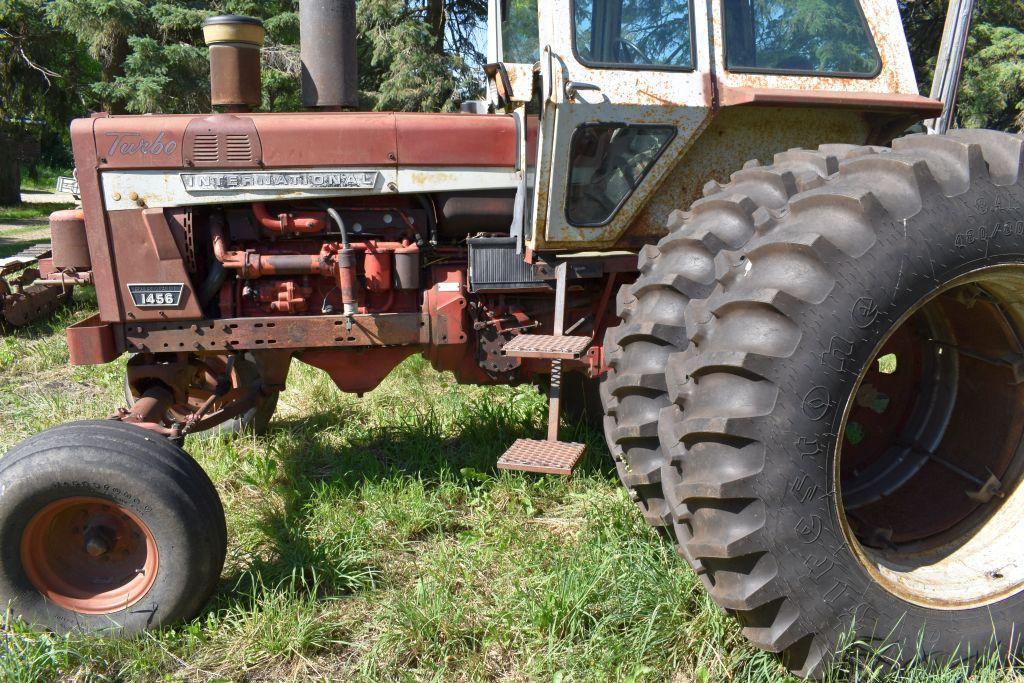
x=625, y=89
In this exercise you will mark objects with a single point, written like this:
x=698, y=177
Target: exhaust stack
x=235, y=43
x=327, y=37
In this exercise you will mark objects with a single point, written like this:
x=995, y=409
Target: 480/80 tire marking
x=972, y=235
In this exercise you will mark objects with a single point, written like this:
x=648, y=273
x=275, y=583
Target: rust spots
x=654, y=97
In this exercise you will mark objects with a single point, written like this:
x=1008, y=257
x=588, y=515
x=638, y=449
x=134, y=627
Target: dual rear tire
x=828, y=417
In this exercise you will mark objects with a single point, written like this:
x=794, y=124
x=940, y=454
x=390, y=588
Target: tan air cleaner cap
x=233, y=28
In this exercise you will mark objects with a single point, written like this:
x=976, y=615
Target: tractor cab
x=614, y=95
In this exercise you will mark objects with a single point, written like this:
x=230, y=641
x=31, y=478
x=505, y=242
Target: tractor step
x=543, y=457
x=550, y=456
x=552, y=346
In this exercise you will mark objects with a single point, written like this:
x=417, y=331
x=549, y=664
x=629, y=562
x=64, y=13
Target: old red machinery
x=587, y=221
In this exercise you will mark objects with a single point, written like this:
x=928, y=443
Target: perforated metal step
x=543, y=457
x=546, y=346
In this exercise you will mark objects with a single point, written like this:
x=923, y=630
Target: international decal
x=278, y=180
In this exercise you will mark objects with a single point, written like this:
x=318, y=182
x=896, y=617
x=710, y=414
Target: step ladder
x=549, y=456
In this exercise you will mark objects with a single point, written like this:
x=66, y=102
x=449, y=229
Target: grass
x=373, y=539
x=45, y=180
x=26, y=211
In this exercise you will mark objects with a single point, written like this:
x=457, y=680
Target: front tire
x=854, y=381
x=106, y=527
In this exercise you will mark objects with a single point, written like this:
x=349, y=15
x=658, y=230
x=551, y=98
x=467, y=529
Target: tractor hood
x=291, y=140
x=189, y=160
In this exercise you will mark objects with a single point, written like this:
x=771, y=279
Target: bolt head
x=96, y=546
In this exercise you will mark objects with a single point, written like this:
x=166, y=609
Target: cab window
x=607, y=161
x=633, y=33
x=520, y=43
x=811, y=37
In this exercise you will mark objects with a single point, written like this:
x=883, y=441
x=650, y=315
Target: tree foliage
x=992, y=93
x=418, y=55
x=42, y=69
x=414, y=54
x=992, y=86
x=151, y=54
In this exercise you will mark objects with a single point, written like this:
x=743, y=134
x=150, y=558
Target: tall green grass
x=373, y=539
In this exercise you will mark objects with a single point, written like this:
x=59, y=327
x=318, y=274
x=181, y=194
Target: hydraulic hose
x=213, y=282
x=336, y=217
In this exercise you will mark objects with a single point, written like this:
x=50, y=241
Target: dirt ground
x=40, y=197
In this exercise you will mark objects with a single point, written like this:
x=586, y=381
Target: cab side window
x=828, y=37
x=607, y=161
x=520, y=42
x=618, y=33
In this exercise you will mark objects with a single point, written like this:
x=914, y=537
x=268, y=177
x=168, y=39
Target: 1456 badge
x=156, y=294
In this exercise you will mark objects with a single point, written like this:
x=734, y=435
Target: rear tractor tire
x=843, y=441
x=105, y=527
x=680, y=268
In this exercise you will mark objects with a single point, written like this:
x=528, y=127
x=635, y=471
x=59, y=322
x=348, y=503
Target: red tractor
x=810, y=364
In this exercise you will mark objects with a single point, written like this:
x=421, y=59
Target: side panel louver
x=238, y=148
x=205, y=149
x=224, y=141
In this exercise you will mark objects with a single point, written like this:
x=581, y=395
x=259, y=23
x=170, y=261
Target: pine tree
x=418, y=55
x=41, y=70
x=992, y=83
x=414, y=54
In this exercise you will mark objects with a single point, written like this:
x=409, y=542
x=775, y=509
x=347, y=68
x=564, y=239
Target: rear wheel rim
x=89, y=555
x=912, y=473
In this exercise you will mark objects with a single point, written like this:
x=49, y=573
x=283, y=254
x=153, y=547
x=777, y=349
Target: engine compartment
x=351, y=285
x=295, y=260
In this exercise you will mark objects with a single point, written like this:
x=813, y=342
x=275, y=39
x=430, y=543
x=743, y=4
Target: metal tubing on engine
x=297, y=222
x=286, y=264
x=253, y=265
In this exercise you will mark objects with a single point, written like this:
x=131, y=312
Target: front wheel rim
x=89, y=555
